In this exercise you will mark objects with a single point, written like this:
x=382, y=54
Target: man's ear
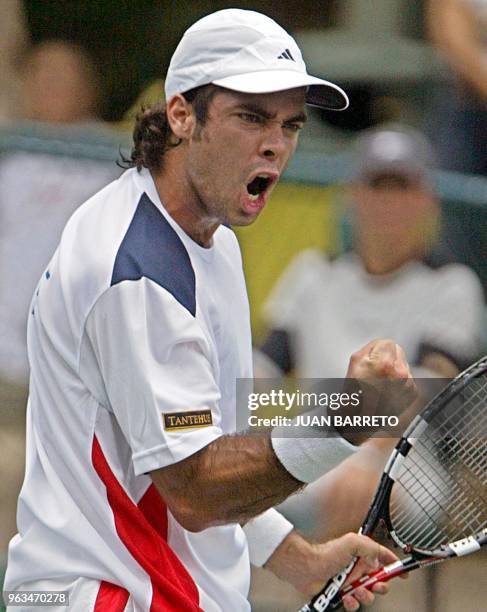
x=180, y=117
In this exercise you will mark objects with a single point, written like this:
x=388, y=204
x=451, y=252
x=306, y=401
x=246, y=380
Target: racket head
x=434, y=487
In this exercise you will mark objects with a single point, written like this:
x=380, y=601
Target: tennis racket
x=432, y=497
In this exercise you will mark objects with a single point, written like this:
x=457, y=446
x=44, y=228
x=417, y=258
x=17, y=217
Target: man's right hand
x=380, y=372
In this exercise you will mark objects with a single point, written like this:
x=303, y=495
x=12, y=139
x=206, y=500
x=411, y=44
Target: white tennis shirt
x=132, y=323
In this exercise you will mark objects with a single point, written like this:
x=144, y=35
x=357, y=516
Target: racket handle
x=383, y=574
x=321, y=602
x=330, y=593
x=386, y=573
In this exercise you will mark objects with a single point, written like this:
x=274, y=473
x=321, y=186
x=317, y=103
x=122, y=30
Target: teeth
x=253, y=198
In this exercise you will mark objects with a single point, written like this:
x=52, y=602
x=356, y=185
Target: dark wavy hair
x=152, y=134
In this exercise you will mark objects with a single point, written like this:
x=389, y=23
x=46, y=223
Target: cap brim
x=321, y=93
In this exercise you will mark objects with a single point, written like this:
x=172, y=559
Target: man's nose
x=273, y=143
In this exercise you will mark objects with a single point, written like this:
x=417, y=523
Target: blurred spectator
x=321, y=310
x=13, y=37
x=458, y=28
x=60, y=84
x=38, y=193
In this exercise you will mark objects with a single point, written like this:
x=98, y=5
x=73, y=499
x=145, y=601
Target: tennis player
x=136, y=487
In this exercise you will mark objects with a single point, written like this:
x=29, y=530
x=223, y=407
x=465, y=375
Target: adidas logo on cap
x=286, y=54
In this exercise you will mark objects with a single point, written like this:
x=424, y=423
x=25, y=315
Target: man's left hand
x=308, y=566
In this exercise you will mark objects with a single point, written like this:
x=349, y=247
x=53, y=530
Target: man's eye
x=292, y=127
x=250, y=117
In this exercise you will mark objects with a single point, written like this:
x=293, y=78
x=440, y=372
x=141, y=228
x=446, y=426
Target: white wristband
x=264, y=534
x=307, y=458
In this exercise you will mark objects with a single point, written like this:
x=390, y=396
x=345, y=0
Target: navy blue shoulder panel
x=152, y=249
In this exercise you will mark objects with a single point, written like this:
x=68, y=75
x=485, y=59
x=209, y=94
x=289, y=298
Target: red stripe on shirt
x=143, y=530
x=154, y=509
x=111, y=598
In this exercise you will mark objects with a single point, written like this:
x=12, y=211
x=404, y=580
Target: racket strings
x=428, y=470
x=440, y=494
x=435, y=504
x=419, y=521
x=470, y=460
x=464, y=483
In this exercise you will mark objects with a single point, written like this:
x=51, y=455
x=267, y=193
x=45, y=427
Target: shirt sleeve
x=455, y=326
x=264, y=534
x=155, y=365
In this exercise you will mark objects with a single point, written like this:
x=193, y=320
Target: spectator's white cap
x=248, y=52
x=394, y=149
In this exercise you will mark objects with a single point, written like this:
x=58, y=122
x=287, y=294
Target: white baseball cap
x=394, y=149
x=248, y=52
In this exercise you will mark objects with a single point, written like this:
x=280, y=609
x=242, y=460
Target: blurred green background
x=132, y=41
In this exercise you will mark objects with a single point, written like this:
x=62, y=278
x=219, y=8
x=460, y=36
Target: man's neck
x=183, y=205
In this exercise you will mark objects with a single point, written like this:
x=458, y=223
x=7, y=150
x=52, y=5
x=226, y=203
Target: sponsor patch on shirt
x=187, y=420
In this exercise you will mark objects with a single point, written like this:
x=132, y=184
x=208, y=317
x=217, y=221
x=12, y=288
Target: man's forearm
x=231, y=480
x=235, y=478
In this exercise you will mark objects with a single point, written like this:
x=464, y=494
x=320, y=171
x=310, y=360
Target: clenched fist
x=380, y=373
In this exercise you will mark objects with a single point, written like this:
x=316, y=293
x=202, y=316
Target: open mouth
x=258, y=185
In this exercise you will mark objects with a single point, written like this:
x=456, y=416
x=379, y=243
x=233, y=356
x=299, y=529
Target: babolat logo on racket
x=187, y=420
x=337, y=581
